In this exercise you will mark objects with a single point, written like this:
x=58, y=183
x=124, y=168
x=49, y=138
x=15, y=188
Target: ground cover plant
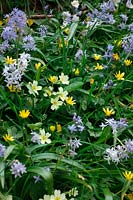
x=66, y=102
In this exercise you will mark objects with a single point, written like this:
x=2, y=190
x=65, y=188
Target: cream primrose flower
x=55, y=103
x=48, y=91
x=46, y=197
x=33, y=87
x=44, y=137
x=64, y=79
x=75, y=4
x=58, y=196
x=62, y=94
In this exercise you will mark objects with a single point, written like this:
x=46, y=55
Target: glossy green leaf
x=107, y=193
x=46, y=175
x=72, y=30
x=8, y=151
x=2, y=174
x=74, y=86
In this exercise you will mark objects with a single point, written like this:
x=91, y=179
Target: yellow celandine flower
x=76, y=71
x=119, y=75
x=127, y=62
x=116, y=56
x=66, y=30
x=91, y=81
x=128, y=175
x=59, y=128
x=30, y=22
x=108, y=112
x=1, y=22
x=52, y=128
x=98, y=67
x=61, y=44
x=8, y=138
x=130, y=196
x=53, y=79
x=70, y=101
x=96, y=56
x=13, y=88
x=24, y=113
x=9, y=60
x=37, y=65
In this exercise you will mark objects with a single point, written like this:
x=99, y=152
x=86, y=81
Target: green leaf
x=46, y=175
x=35, y=126
x=52, y=156
x=72, y=30
x=107, y=193
x=74, y=86
x=2, y=174
x=8, y=151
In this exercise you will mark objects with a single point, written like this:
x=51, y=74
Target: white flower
x=44, y=137
x=58, y=196
x=48, y=91
x=46, y=197
x=129, y=4
x=64, y=79
x=61, y=94
x=55, y=103
x=75, y=4
x=33, y=87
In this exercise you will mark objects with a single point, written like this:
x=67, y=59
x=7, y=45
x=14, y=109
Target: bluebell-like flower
x=130, y=27
x=17, y=19
x=9, y=34
x=2, y=150
x=127, y=43
x=4, y=46
x=17, y=168
x=129, y=146
x=77, y=125
x=29, y=43
x=42, y=30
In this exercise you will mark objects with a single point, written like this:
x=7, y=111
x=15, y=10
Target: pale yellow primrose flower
x=55, y=103
x=58, y=195
x=64, y=79
x=48, y=91
x=33, y=87
x=61, y=94
x=75, y=4
x=44, y=137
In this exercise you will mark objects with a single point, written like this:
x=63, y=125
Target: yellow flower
x=61, y=43
x=108, y=112
x=24, y=113
x=59, y=128
x=37, y=65
x=98, y=67
x=52, y=128
x=127, y=62
x=76, y=71
x=130, y=196
x=119, y=76
x=116, y=56
x=9, y=60
x=8, y=138
x=13, y=88
x=70, y=101
x=1, y=22
x=30, y=22
x=96, y=56
x=66, y=30
x=91, y=81
x=53, y=79
x=128, y=175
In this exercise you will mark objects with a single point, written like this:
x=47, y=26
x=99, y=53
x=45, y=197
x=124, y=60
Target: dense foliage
x=66, y=102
